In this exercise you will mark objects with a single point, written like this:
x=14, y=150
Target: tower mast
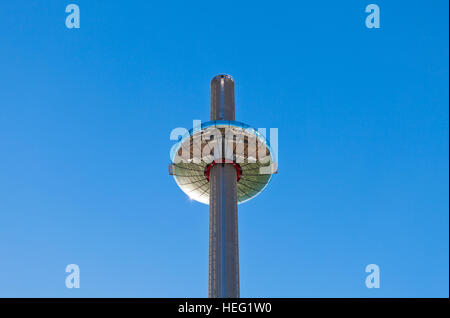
x=222, y=163
x=223, y=217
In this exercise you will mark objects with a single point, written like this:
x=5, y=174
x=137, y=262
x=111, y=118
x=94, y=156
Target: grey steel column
x=223, y=218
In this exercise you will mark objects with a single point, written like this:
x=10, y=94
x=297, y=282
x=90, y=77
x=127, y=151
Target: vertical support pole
x=223, y=218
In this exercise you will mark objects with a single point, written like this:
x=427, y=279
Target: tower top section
x=222, y=141
x=222, y=97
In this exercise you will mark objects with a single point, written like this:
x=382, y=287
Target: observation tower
x=222, y=163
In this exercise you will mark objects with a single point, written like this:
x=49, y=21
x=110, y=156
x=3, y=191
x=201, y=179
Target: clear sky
x=363, y=120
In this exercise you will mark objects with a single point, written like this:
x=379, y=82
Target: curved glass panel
x=216, y=141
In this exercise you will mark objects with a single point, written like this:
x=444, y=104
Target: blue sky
x=363, y=120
